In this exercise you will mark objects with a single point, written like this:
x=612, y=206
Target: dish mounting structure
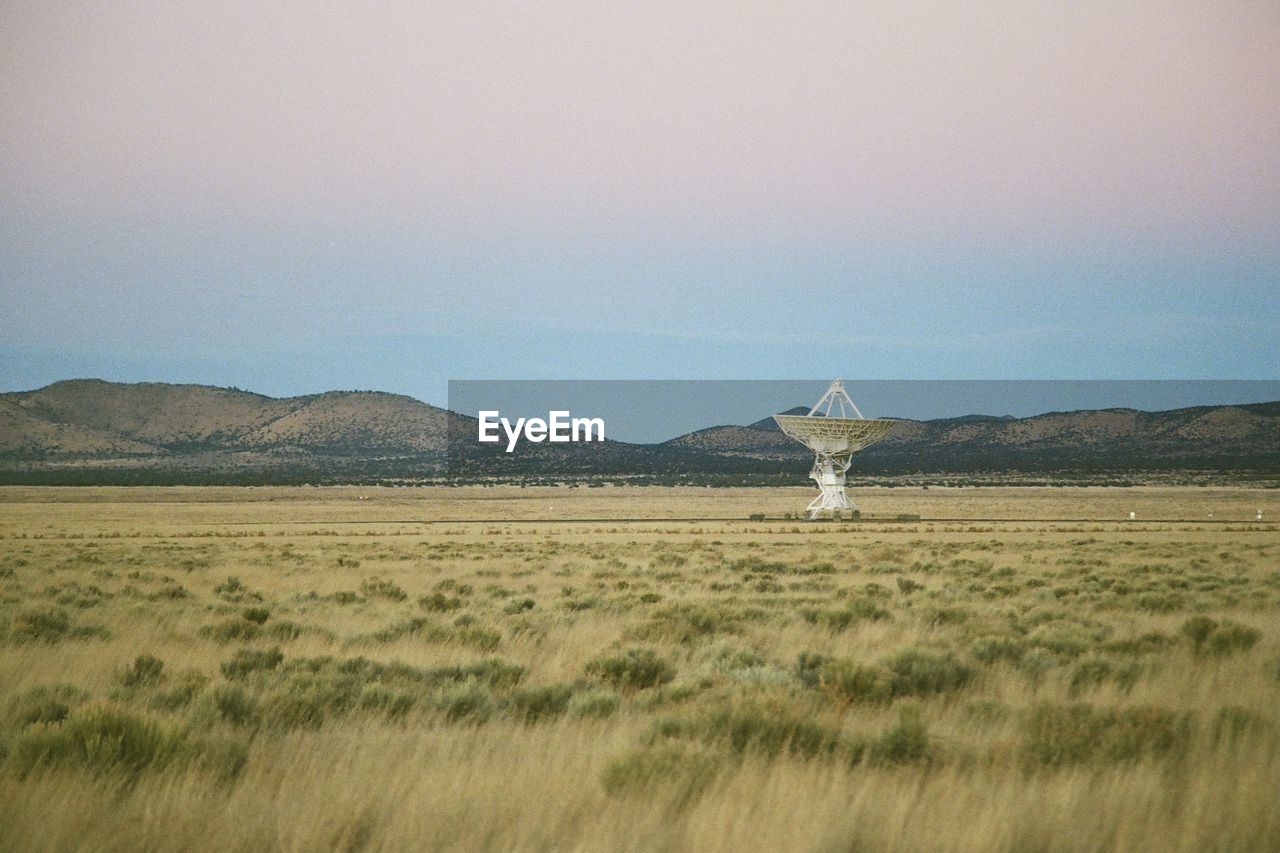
x=833, y=438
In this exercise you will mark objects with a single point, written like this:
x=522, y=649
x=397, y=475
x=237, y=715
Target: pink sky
x=201, y=189
x=1150, y=116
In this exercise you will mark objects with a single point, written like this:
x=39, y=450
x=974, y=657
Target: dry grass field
x=450, y=669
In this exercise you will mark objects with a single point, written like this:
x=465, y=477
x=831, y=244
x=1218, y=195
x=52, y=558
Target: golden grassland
x=450, y=669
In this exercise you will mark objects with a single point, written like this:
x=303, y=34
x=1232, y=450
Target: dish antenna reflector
x=834, y=430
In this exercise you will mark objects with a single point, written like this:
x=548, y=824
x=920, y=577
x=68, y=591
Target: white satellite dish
x=834, y=438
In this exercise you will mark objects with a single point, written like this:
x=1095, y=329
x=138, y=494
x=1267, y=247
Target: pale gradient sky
x=294, y=197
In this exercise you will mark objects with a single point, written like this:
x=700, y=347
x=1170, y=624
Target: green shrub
x=906, y=742
x=234, y=590
x=169, y=592
x=594, y=704
x=675, y=772
x=1150, y=642
x=1058, y=735
x=419, y=627
x=1197, y=629
x=937, y=616
x=468, y=702
x=231, y=630
x=1272, y=668
x=759, y=729
x=394, y=703
x=283, y=630
x=476, y=637
x=1234, y=723
x=1036, y=664
x=633, y=669
x=100, y=738
x=1066, y=639
x=450, y=585
x=851, y=681
x=925, y=671
x=43, y=626
x=1210, y=637
x=906, y=585
x=539, y=703
x=45, y=704
x=1093, y=670
x=294, y=710
x=438, y=602
x=256, y=615
x=376, y=587
x=249, y=661
x=809, y=667
x=994, y=647
x=1230, y=637
x=145, y=671
x=181, y=694
x=518, y=605
x=684, y=623
x=234, y=705
x=854, y=611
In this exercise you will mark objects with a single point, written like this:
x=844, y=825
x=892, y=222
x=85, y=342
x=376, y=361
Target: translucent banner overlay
x=722, y=431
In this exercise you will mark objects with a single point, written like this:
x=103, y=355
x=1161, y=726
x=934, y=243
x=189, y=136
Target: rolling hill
x=88, y=430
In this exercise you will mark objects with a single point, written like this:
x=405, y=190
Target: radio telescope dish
x=834, y=430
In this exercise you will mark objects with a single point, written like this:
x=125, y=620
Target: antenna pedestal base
x=829, y=473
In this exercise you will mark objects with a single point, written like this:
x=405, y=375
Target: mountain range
x=89, y=430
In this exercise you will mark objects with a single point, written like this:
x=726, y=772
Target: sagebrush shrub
x=234, y=590
x=438, y=602
x=294, y=710
x=1233, y=723
x=45, y=703
x=539, y=703
x=1211, y=637
x=904, y=743
x=375, y=587
x=854, y=611
x=467, y=702
x=1094, y=670
x=680, y=773
x=906, y=585
x=231, y=630
x=633, y=669
x=920, y=671
x=98, y=738
x=248, y=661
x=594, y=704
x=234, y=705
x=145, y=670
x=189, y=685
x=855, y=682
x=1230, y=637
x=256, y=615
x=685, y=623
x=1056, y=735
x=996, y=647
x=45, y=626
x=761, y=729
x=1197, y=629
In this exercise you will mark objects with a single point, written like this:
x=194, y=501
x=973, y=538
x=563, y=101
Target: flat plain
x=1021, y=669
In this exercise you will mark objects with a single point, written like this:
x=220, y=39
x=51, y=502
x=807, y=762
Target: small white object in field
x=1132, y=516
